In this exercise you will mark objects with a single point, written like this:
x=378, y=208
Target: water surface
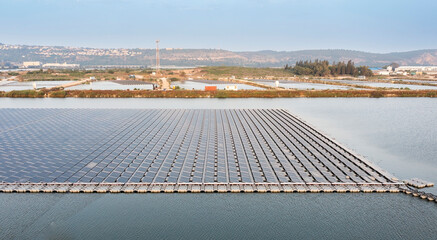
x=398, y=134
x=384, y=85
x=216, y=216
x=302, y=85
x=198, y=85
x=8, y=86
x=108, y=85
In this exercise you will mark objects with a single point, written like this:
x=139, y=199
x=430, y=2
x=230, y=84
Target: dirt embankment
x=218, y=94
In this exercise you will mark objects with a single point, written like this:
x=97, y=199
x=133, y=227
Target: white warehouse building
x=417, y=68
x=60, y=65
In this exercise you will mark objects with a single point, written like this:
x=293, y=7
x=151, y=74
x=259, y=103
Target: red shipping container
x=210, y=88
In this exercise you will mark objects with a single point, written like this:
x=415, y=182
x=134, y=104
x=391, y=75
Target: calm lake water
x=8, y=86
x=385, y=85
x=108, y=85
x=415, y=80
x=197, y=85
x=302, y=85
x=398, y=134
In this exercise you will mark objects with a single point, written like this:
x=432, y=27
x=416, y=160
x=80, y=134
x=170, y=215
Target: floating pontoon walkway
x=176, y=150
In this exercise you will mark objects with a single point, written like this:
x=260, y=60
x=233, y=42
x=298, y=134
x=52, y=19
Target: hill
x=206, y=57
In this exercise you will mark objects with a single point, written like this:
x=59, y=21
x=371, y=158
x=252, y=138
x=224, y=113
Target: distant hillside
x=209, y=57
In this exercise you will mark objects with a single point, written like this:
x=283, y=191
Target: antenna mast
x=157, y=57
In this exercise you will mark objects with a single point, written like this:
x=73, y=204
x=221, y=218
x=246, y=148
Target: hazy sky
x=368, y=25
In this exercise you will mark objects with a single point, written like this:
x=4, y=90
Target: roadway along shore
x=71, y=84
x=255, y=84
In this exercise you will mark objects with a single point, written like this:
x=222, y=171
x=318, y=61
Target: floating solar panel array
x=176, y=150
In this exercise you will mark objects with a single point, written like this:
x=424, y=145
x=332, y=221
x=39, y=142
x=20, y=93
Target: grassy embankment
x=64, y=75
x=219, y=94
x=244, y=72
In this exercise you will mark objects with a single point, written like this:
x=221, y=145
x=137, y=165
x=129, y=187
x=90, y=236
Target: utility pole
x=157, y=57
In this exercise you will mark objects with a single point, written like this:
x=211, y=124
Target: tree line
x=322, y=68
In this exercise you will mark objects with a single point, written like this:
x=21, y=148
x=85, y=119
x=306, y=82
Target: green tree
x=323, y=68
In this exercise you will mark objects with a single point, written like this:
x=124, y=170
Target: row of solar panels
x=176, y=146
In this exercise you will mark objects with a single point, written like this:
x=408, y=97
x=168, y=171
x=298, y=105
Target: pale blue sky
x=368, y=25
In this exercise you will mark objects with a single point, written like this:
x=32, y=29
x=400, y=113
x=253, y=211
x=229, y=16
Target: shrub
x=221, y=94
x=376, y=94
x=58, y=94
x=431, y=94
x=25, y=94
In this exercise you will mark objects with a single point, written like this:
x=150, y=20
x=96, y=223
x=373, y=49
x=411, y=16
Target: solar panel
x=171, y=146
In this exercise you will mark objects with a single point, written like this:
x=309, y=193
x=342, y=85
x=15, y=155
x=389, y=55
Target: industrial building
x=31, y=64
x=406, y=70
x=61, y=65
x=424, y=69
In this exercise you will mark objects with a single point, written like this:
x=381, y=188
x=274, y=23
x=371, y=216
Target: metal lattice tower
x=157, y=56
